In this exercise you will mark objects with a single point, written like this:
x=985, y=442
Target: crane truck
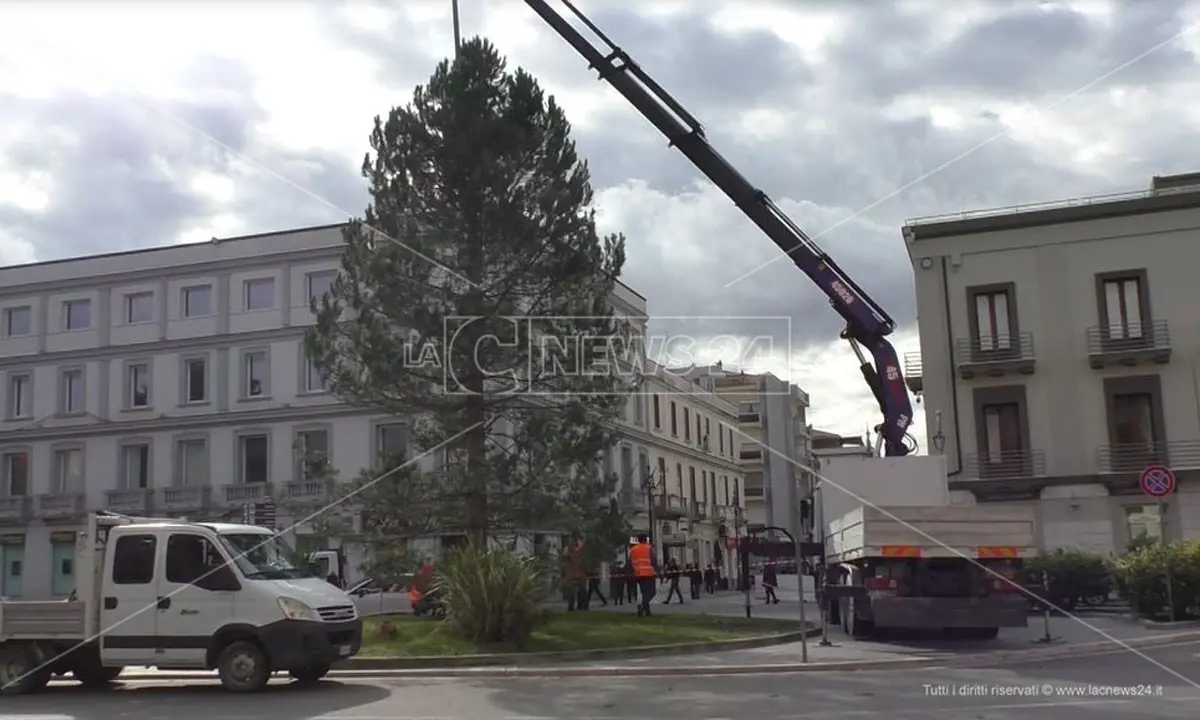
x=180, y=595
x=927, y=566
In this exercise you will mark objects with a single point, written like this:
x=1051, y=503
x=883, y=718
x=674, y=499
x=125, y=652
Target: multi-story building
x=1058, y=358
x=773, y=443
x=172, y=381
x=678, y=468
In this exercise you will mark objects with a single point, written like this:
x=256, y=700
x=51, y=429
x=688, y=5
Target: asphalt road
x=1124, y=686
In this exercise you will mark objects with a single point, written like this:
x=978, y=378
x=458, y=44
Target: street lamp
x=939, y=439
x=651, y=483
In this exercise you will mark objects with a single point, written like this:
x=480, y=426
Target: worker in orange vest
x=641, y=562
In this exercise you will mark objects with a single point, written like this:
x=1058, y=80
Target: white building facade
x=173, y=381
x=1058, y=359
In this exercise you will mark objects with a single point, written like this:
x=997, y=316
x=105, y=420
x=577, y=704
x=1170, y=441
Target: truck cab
x=224, y=596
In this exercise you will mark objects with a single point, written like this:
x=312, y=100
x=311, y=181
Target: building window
x=260, y=294
x=77, y=314
x=674, y=426
x=18, y=321
x=314, y=379
x=319, y=284
x=197, y=301
x=721, y=438
x=135, y=463
x=678, y=478
x=195, y=379
x=657, y=415
x=639, y=410
x=687, y=425
x=707, y=429
x=1123, y=304
x=699, y=435
x=312, y=446
x=71, y=398
x=692, y=483
x=253, y=461
x=1002, y=430
x=1133, y=419
x=626, y=467
x=1144, y=522
x=192, y=459
x=20, y=396
x=257, y=372
x=139, y=307
x=16, y=474
x=991, y=314
x=137, y=393
x=68, y=471
x=391, y=441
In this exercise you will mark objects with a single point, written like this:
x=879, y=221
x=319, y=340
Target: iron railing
x=1014, y=347
x=1136, y=457
x=1005, y=465
x=1130, y=337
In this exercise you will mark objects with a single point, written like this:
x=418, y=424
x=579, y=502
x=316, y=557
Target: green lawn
x=560, y=631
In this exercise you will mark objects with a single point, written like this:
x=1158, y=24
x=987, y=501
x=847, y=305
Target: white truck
x=180, y=595
x=907, y=558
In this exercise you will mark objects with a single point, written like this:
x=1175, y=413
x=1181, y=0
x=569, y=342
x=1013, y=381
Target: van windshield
x=264, y=557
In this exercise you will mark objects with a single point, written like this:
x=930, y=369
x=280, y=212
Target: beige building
x=1058, y=358
x=678, y=468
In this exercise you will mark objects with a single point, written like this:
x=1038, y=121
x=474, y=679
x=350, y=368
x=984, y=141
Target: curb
x=974, y=660
x=511, y=660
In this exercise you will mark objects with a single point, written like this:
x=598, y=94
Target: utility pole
x=457, y=30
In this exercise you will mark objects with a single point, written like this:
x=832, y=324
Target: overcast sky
x=141, y=124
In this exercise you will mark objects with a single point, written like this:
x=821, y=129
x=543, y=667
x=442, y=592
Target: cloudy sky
x=134, y=124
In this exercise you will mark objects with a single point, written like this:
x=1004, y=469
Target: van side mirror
x=218, y=579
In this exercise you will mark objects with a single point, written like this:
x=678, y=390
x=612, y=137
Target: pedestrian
x=770, y=581
x=695, y=580
x=631, y=585
x=710, y=579
x=616, y=584
x=673, y=575
x=593, y=588
x=641, y=563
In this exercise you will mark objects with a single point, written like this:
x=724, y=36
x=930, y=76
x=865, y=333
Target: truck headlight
x=293, y=609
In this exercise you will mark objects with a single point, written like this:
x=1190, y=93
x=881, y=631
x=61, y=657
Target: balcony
x=1006, y=465
x=15, y=510
x=1129, y=344
x=913, y=371
x=245, y=493
x=753, y=454
x=749, y=417
x=700, y=511
x=670, y=506
x=995, y=356
x=60, y=506
x=1136, y=457
x=308, y=491
x=188, y=498
x=137, y=501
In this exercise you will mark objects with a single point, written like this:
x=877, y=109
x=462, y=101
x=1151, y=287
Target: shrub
x=1073, y=575
x=491, y=594
x=1141, y=577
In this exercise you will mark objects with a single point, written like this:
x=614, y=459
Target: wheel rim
x=243, y=666
x=11, y=671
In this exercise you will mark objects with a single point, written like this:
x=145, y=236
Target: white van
x=180, y=595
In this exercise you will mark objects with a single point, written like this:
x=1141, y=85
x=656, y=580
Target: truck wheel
x=96, y=676
x=243, y=667
x=309, y=675
x=19, y=671
x=855, y=627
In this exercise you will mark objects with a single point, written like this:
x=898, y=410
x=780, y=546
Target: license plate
x=343, y=650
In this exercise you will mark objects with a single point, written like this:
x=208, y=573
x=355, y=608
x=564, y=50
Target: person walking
x=673, y=573
x=710, y=579
x=616, y=584
x=770, y=581
x=641, y=562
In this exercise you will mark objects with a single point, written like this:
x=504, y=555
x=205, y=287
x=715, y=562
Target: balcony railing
x=15, y=509
x=670, y=506
x=241, y=493
x=60, y=506
x=1127, y=343
x=700, y=510
x=995, y=355
x=1136, y=457
x=1005, y=465
x=187, y=498
x=748, y=417
x=914, y=372
x=136, y=501
x=307, y=490
x=750, y=454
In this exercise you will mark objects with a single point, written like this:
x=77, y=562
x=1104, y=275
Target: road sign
x=1158, y=481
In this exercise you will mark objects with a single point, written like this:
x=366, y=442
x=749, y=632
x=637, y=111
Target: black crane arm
x=867, y=324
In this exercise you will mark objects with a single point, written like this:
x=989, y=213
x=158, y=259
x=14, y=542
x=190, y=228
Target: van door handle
x=164, y=602
x=189, y=612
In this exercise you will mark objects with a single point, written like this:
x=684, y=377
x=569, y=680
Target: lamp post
x=939, y=439
x=457, y=31
x=650, y=484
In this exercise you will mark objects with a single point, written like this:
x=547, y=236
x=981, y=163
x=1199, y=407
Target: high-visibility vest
x=640, y=559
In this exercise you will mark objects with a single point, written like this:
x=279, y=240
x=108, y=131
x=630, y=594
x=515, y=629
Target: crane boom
x=867, y=324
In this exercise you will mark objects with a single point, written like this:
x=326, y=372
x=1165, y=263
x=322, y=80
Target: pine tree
x=480, y=213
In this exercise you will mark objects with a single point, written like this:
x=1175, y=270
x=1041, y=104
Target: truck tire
x=856, y=627
x=19, y=671
x=243, y=667
x=310, y=675
x=96, y=676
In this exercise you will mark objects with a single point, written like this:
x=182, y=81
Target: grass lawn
x=566, y=631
